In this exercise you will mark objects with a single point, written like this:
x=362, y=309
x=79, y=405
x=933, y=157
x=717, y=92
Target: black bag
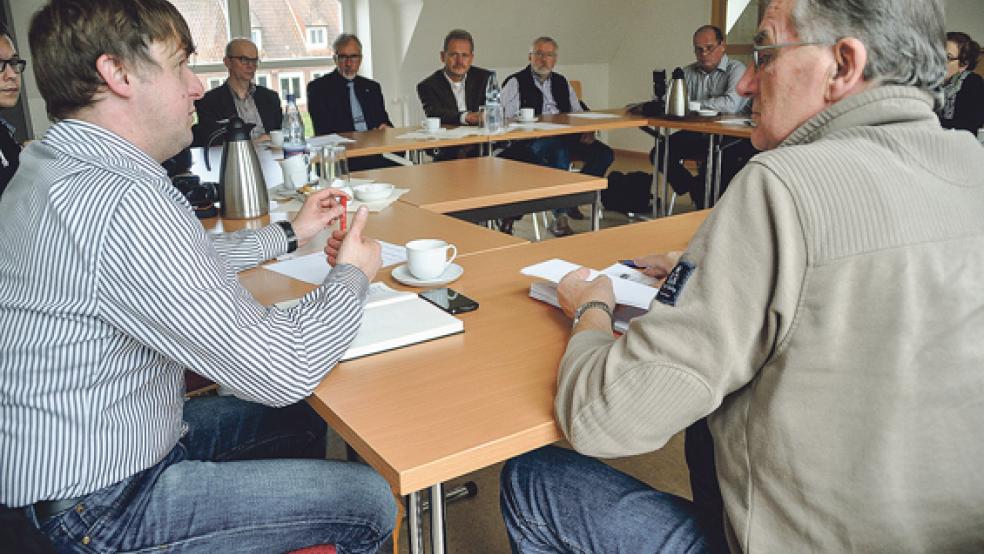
x=628, y=192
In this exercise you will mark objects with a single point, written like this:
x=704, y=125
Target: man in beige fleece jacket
x=826, y=320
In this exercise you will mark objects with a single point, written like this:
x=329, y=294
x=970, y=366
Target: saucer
x=520, y=120
x=402, y=274
x=707, y=113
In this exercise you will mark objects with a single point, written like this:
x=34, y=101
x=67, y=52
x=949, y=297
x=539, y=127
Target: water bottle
x=493, y=113
x=293, y=129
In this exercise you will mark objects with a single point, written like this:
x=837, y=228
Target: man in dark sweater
x=537, y=86
x=239, y=95
x=344, y=101
x=455, y=92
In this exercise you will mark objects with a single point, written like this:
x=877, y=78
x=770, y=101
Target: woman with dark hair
x=11, y=67
x=963, y=90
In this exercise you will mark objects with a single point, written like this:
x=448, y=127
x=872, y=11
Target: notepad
x=394, y=319
x=634, y=292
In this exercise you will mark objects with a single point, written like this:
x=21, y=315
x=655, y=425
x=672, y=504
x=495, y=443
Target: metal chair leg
x=536, y=227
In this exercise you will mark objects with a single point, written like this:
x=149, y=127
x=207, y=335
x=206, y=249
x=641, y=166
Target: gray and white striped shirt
x=716, y=89
x=109, y=289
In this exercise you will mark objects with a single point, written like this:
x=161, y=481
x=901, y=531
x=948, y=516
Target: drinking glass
x=333, y=167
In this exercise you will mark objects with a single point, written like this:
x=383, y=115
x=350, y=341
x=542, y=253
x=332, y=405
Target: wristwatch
x=291, y=237
x=579, y=312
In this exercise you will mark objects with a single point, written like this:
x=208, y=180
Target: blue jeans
x=229, y=486
x=557, y=152
x=556, y=500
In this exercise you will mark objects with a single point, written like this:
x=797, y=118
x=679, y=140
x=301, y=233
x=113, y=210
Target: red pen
x=342, y=221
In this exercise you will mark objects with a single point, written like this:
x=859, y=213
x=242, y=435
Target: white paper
x=622, y=271
x=626, y=291
x=325, y=140
x=593, y=115
x=544, y=126
x=313, y=268
x=737, y=121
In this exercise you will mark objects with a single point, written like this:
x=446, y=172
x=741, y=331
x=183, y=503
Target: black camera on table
x=201, y=195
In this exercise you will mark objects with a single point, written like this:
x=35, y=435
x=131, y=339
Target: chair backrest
x=576, y=85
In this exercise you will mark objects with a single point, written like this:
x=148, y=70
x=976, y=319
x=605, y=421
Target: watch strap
x=579, y=312
x=291, y=236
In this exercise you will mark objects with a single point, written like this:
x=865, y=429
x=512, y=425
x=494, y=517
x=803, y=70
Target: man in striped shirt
x=110, y=288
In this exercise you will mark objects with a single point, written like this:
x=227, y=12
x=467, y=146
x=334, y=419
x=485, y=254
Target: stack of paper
x=634, y=292
x=313, y=268
x=393, y=319
x=325, y=140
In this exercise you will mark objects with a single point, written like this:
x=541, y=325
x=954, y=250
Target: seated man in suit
x=239, y=95
x=344, y=101
x=455, y=92
x=537, y=86
x=711, y=80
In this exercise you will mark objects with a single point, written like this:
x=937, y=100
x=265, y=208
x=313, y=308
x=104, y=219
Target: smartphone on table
x=449, y=300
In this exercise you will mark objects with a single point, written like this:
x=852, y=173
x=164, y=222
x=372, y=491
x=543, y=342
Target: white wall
x=966, y=16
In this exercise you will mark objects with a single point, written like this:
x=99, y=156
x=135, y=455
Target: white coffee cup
x=431, y=124
x=428, y=258
x=693, y=105
x=527, y=114
x=296, y=171
x=277, y=138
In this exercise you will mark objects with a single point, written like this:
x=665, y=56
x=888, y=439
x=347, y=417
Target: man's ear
x=116, y=76
x=851, y=57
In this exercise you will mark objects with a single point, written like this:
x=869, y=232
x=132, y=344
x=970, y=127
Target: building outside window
x=293, y=38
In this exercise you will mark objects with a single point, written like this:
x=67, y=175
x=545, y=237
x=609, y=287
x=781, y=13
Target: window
x=292, y=83
x=317, y=37
x=214, y=82
x=317, y=74
x=263, y=80
x=256, y=35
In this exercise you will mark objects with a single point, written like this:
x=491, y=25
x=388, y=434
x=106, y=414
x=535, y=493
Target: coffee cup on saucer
x=527, y=114
x=693, y=105
x=277, y=138
x=431, y=124
x=428, y=258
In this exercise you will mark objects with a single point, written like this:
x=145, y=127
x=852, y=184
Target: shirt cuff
x=272, y=240
x=463, y=118
x=350, y=277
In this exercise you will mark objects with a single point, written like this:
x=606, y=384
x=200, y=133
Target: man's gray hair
x=904, y=38
x=343, y=39
x=541, y=40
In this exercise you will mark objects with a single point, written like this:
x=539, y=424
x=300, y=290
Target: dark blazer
x=218, y=104
x=331, y=109
x=11, y=155
x=438, y=100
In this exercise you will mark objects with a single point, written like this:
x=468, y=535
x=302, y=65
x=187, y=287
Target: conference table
x=483, y=189
x=434, y=411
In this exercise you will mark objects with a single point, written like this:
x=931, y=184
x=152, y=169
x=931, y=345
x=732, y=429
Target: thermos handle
x=211, y=138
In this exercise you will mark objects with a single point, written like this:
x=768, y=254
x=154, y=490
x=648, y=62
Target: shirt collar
x=460, y=83
x=249, y=90
x=538, y=79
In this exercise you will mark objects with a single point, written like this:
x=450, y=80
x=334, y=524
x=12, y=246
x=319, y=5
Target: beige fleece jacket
x=833, y=330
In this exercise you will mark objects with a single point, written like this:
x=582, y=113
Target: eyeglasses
x=348, y=57
x=539, y=54
x=950, y=58
x=246, y=60
x=16, y=64
x=706, y=49
x=761, y=61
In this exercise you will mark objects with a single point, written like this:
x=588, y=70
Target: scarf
x=950, y=89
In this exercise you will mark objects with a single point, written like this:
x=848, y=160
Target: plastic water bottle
x=493, y=107
x=293, y=128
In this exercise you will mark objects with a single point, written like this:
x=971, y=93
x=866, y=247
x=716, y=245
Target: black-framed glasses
x=348, y=57
x=707, y=49
x=761, y=60
x=544, y=55
x=246, y=60
x=17, y=64
x=950, y=58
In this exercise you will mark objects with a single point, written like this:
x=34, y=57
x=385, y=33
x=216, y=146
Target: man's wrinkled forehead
x=776, y=20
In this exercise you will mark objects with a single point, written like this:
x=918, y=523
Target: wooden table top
x=397, y=224
x=481, y=182
x=438, y=410
x=706, y=125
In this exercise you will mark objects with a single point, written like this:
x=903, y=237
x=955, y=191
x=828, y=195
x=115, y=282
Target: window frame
x=320, y=29
x=301, y=96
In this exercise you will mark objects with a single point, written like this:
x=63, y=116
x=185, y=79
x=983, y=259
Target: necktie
x=357, y=116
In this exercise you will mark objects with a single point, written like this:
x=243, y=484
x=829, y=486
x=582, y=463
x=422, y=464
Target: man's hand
x=350, y=247
x=472, y=118
x=658, y=265
x=574, y=290
x=262, y=138
x=319, y=211
x=587, y=138
x=383, y=126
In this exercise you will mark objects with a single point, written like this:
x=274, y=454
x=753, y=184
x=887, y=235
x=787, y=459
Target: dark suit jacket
x=438, y=100
x=331, y=108
x=218, y=104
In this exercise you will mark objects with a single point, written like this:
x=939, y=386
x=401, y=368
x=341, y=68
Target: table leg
x=717, y=169
x=438, y=530
x=708, y=169
x=415, y=523
x=666, y=166
x=595, y=212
